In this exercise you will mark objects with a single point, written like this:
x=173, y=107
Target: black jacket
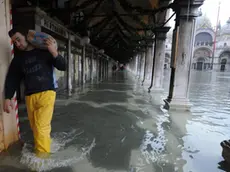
x=36, y=67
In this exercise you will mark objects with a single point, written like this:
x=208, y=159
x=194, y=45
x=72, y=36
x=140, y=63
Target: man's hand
x=8, y=105
x=50, y=42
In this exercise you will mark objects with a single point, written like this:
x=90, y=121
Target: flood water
x=117, y=126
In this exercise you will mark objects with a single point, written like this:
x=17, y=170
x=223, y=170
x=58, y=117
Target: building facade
x=205, y=52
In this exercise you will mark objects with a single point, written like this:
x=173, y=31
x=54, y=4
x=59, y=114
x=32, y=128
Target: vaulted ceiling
x=120, y=27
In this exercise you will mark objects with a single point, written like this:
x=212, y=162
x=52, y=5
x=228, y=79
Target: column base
x=159, y=90
x=178, y=104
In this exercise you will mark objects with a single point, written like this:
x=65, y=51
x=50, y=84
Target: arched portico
x=224, y=60
x=204, y=38
x=202, y=59
x=167, y=61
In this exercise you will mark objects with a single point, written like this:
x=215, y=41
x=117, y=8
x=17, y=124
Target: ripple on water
x=61, y=156
x=152, y=145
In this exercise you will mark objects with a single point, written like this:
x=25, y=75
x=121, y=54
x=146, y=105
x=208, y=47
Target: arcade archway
x=223, y=65
x=167, y=61
x=224, y=61
x=200, y=63
x=202, y=59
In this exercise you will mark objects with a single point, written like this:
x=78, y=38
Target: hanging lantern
x=85, y=40
x=101, y=51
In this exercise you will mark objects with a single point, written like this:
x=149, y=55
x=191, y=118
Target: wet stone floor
x=117, y=126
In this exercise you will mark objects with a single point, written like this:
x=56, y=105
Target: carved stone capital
x=164, y=3
x=149, y=44
x=161, y=32
x=187, y=3
x=189, y=8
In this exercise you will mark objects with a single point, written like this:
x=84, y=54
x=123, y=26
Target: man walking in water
x=36, y=67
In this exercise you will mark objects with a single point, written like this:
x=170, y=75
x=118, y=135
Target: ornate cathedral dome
x=225, y=30
x=203, y=22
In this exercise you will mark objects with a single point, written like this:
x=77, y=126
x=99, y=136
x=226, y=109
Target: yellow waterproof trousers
x=40, y=108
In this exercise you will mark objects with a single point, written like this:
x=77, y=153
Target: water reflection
x=118, y=126
x=209, y=93
x=208, y=124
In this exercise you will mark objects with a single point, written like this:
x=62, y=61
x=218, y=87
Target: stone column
x=83, y=66
x=105, y=68
x=132, y=65
x=91, y=65
x=184, y=54
x=136, y=65
x=142, y=56
x=160, y=36
x=102, y=68
x=70, y=65
x=145, y=65
x=79, y=69
x=149, y=59
x=99, y=68
x=134, y=68
x=139, y=62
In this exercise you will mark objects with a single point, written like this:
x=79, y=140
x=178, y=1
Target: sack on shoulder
x=37, y=39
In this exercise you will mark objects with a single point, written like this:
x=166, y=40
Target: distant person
x=114, y=69
x=122, y=67
x=36, y=67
